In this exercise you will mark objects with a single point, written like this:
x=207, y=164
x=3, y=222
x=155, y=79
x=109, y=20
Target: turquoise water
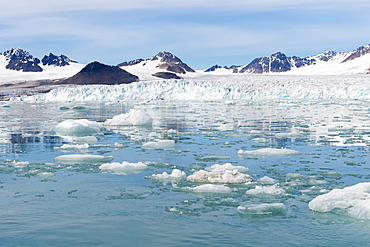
x=44, y=203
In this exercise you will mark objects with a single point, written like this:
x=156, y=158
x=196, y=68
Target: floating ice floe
x=133, y=117
x=262, y=191
x=225, y=174
x=123, y=168
x=174, y=176
x=83, y=159
x=210, y=188
x=78, y=128
x=353, y=201
x=266, y=180
x=273, y=209
x=269, y=152
x=162, y=144
x=68, y=147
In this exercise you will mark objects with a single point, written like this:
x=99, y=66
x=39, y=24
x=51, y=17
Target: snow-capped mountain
x=53, y=60
x=330, y=62
x=21, y=60
x=154, y=67
x=19, y=65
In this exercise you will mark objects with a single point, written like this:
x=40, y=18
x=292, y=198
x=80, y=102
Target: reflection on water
x=49, y=203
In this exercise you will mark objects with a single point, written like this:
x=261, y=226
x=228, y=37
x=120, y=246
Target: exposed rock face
x=53, y=60
x=133, y=62
x=234, y=68
x=166, y=61
x=98, y=73
x=363, y=50
x=21, y=60
x=166, y=75
x=277, y=62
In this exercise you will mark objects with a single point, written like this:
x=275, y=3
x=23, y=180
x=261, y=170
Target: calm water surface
x=44, y=203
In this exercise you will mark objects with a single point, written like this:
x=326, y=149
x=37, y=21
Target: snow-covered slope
x=47, y=71
x=328, y=63
x=162, y=62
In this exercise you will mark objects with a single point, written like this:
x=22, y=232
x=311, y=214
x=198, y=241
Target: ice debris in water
x=67, y=147
x=174, y=176
x=133, y=117
x=269, y=152
x=273, y=209
x=210, y=188
x=266, y=180
x=123, y=168
x=79, y=128
x=272, y=190
x=161, y=144
x=83, y=159
x=353, y=201
x=226, y=174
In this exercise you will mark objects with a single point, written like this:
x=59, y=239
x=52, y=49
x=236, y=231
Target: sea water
x=197, y=173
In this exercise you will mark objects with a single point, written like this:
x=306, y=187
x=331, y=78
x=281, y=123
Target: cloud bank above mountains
x=197, y=31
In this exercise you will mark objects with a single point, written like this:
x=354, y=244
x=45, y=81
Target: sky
x=201, y=33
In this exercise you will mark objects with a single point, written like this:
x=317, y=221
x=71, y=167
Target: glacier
x=230, y=87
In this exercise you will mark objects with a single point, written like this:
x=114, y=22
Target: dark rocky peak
x=98, y=73
x=54, y=60
x=21, y=60
x=234, y=68
x=166, y=57
x=130, y=63
x=277, y=62
x=359, y=52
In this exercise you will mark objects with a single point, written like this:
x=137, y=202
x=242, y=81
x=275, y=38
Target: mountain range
x=19, y=65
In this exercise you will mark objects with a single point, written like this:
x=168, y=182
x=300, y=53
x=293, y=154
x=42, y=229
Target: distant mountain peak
x=359, y=52
x=166, y=61
x=54, y=60
x=21, y=60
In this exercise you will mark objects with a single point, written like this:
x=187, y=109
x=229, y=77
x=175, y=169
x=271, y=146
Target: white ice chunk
x=80, y=127
x=123, y=168
x=226, y=174
x=353, y=201
x=83, y=159
x=266, y=180
x=133, y=117
x=269, y=152
x=68, y=147
x=263, y=209
x=227, y=167
x=174, y=176
x=161, y=144
x=211, y=188
x=273, y=190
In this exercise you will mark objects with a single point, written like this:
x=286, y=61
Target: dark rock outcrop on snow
x=21, y=60
x=166, y=61
x=234, y=68
x=53, y=60
x=166, y=75
x=98, y=73
x=359, y=52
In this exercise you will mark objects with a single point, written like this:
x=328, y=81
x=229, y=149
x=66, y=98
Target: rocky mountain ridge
x=21, y=60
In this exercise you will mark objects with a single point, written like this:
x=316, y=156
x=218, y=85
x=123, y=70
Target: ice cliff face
x=236, y=87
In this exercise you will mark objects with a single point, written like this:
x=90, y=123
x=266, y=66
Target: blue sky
x=201, y=32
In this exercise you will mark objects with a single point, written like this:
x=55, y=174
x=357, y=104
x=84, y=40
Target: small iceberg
x=176, y=175
x=123, y=168
x=269, y=152
x=353, y=201
x=83, y=159
x=133, y=117
x=78, y=128
x=225, y=174
x=71, y=147
x=210, y=188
